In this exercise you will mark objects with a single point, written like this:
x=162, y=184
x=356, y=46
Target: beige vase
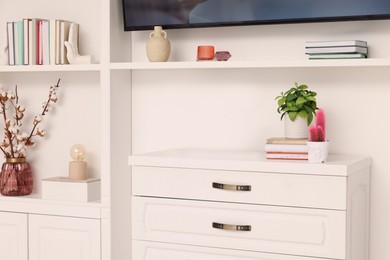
x=296, y=129
x=158, y=46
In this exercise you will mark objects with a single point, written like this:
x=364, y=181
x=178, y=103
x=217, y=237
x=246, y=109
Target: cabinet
x=64, y=238
x=31, y=236
x=13, y=236
x=187, y=201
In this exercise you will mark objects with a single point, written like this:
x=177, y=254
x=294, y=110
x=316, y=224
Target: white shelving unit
x=252, y=64
x=124, y=105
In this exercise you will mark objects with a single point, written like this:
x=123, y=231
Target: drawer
x=143, y=250
x=284, y=230
x=313, y=191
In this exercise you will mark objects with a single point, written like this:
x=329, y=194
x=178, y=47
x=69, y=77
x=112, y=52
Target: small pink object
x=222, y=55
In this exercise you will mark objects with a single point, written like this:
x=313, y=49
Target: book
x=52, y=41
x=10, y=39
x=25, y=41
x=57, y=47
x=32, y=41
x=64, y=35
x=311, y=44
x=45, y=42
x=283, y=140
x=337, y=56
x=287, y=156
x=18, y=43
x=349, y=49
x=285, y=148
x=39, y=42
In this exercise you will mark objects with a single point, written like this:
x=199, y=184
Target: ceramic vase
x=296, y=129
x=318, y=151
x=16, y=177
x=158, y=47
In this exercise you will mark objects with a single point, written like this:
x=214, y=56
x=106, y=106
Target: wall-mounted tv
x=145, y=14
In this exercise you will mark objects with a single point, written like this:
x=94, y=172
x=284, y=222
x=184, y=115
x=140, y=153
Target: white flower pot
x=296, y=129
x=318, y=151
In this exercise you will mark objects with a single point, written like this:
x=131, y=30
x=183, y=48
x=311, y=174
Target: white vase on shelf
x=158, y=47
x=296, y=129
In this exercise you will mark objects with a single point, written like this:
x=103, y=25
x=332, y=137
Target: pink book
x=39, y=45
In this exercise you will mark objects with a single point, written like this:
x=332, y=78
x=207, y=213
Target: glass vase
x=16, y=177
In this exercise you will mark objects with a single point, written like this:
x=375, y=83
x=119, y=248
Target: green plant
x=298, y=101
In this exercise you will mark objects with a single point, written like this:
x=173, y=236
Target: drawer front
x=285, y=230
x=247, y=187
x=143, y=250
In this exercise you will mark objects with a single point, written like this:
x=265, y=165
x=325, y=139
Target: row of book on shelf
x=348, y=49
x=35, y=41
x=279, y=148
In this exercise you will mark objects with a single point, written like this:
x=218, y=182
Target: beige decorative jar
x=158, y=46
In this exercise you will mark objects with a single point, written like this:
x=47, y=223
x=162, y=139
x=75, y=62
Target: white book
x=286, y=148
x=32, y=41
x=337, y=56
x=287, y=156
x=57, y=48
x=25, y=41
x=45, y=43
x=52, y=41
x=323, y=50
x=11, y=52
x=310, y=44
x=64, y=35
x=16, y=43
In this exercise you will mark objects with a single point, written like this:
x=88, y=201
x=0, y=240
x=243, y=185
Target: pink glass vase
x=16, y=177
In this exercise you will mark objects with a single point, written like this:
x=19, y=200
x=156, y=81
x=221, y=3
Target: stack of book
x=278, y=148
x=349, y=49
x=35, y=41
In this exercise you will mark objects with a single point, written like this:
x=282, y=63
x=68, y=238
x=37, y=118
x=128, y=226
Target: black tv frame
x=257, y=22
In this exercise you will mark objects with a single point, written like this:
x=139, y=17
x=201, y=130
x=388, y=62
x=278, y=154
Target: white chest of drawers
x=215, y=205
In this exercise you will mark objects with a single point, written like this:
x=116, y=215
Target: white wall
x=235, y=109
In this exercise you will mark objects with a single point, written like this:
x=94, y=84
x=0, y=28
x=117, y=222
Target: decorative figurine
x=72, y=49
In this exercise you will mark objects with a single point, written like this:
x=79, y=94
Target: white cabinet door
x=63, y=238
x=13, y=236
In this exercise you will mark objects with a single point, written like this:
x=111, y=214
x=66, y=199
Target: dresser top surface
x=337, y=164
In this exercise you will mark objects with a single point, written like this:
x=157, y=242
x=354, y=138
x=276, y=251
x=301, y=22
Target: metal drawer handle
x=222, y=186
x=232, y=227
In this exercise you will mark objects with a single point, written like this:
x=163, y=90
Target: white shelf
x=48, y=68
x=338, y=165
x=35, y=204
x=251, y=64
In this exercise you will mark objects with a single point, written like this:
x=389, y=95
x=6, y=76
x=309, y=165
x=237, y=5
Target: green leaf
x=281, y=117
x=311, y=98
x=302, y=87
x=292, y=115
x=303, y=114
x=291, y=97
x=300, y=101
x=281, y=101
x=309, y=119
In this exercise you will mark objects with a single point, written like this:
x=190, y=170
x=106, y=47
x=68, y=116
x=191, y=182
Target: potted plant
x=16, y=175
x=318, y=146
x=300, y=105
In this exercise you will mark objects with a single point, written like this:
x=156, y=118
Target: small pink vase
x=16, y=177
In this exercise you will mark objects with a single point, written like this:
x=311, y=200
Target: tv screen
x=145, y=14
